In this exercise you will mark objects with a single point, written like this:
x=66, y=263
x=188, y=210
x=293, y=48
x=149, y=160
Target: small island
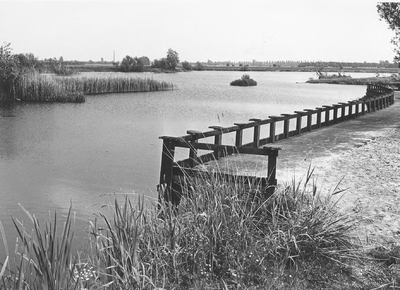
x=244, y=81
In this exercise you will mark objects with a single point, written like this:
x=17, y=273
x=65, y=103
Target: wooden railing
x=377, y=97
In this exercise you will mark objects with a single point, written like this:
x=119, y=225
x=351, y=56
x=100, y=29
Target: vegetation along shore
x=342, y=79
x=21, y=80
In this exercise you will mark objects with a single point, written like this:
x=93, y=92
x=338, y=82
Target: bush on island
x=244, y=81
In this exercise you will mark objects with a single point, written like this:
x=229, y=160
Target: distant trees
x=199, y=66
x=27, y=61
x=390, y=12
x=172, y=59
x=131, y=64
x=59, y=67
x=145, y=60
x=169, y=62
x=160, y=63
x=186, y=65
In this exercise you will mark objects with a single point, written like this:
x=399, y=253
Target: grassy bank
x=49, y=88
x=393, y=81
x=226, y=236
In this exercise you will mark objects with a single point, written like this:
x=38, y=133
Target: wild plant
x=45, y=258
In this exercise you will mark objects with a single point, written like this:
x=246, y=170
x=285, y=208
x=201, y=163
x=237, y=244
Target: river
x=56, y=153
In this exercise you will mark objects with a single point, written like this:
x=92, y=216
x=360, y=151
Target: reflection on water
x=51, y=154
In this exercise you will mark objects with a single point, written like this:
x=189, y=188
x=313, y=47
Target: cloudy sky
x=333, y=30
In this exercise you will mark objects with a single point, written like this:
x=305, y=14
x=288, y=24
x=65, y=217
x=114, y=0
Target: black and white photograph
x=187, y=144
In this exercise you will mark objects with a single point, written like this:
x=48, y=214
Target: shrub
x=244, y=81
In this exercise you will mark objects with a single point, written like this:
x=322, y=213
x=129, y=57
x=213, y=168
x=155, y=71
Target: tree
x=186, y=65
x=172, y=59
x=199, y=66
x=160, y=63
x=28, y=62
x=130, y=64
x=390, y=12
x=145, y=60
x=9, y=70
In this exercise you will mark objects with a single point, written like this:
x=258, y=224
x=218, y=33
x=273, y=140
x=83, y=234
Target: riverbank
x=347, y=80
x=361, y=156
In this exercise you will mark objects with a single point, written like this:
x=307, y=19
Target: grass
x=221, y=236
x=36, y=87
x=46, y=88
x=108, y=83
x=393, y=80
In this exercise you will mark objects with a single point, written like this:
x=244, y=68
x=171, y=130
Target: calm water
x=51, y=154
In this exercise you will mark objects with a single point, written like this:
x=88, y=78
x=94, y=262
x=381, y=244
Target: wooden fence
x=376, y=98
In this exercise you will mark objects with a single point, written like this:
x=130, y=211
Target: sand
x=370, y=175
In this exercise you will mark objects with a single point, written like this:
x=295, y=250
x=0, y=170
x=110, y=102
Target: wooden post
x=357, y=108
x=335, y=109
x=319, y=110
x=309, y=118
x=193, y=160
x=217, y=141
x=351, y=109
x=343, y=111
x=286, y=124
x=272, y=158
x=298, y=121
x=327, y=110
x=256, y=137
x=167, y=164
x=239, y=135
x=272, y=128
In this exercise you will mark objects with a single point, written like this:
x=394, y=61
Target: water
x=55, y=154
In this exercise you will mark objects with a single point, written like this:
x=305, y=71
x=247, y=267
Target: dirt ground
x=361, y=156
x=370, y=175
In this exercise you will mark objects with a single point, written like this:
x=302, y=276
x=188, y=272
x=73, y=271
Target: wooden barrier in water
x=377, y=98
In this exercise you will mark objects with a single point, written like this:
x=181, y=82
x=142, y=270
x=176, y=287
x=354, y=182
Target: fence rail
x=377, y=97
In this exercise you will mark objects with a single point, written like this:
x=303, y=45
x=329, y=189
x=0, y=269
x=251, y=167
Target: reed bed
x=49, y=88
x=45, y=88
x=118, y=84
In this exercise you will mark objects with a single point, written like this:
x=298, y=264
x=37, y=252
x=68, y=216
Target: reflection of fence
x=377, y=98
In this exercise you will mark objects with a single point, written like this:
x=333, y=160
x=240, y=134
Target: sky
x=199, y=30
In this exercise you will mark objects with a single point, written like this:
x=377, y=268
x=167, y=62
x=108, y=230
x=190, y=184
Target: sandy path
x=363, y=153
x=371, y=177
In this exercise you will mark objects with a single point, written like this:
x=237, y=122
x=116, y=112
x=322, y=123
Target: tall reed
x=221, y=231
x=36, y=87
x=45, y=256
x=224, y=235
x=45, y=88
x=117, y=84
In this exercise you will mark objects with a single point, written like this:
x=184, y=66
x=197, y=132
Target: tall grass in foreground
x=222, y=235
x=45, y=257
